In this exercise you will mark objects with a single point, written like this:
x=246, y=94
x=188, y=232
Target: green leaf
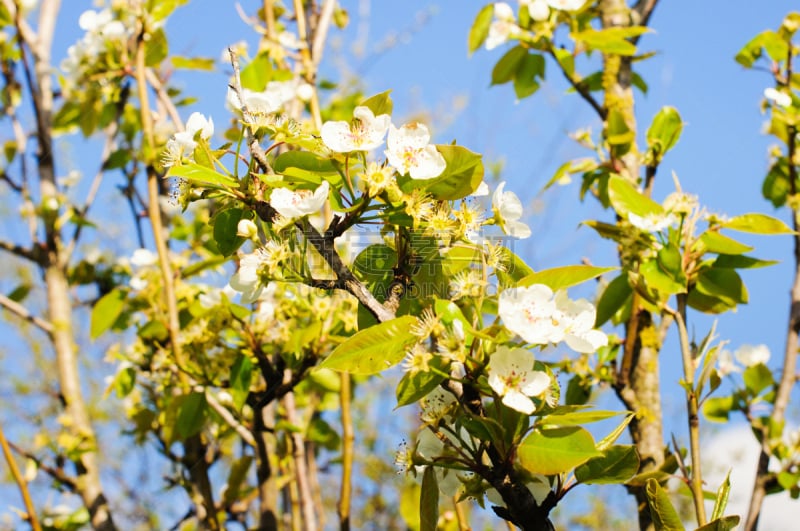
x=429, y=501
x=240, y=379
x=529, y=71
x=124, y=381
x=506, y=68
x=656, y=279
x=225, y=227
x=236, y=479
x=412, y=387
x=375, y=349
x=67, y=116
x=617, y=465
x=462, y=175
x=161, y=9
x=612, y=437
x=579, y=418
x=625, y=199
x=409, y=504
x=612, y=40
x=776, y=47
x=563, y=277
x=722, y=498
x=193, y=63
x=616, y=295
x=718, y=409
x=378, y=104
x=200, y=174
x=714, y=242
x=618, y=134
x=757, y=223
x=154, y=330
x=156, y=49
x=192, y=413
x=741, y=262
x=757, y=378
x=664, y=132
x=19, y=293
x=776, y=187
x=257, y=72
x=480, y=28
x=106, y=311
x=724, y=284
x=664, y=515
x=556, y=450
x=726, y=523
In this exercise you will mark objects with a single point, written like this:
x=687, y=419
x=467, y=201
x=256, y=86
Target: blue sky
x=722, y=155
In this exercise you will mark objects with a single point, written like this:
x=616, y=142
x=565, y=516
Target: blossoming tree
x=241, y=332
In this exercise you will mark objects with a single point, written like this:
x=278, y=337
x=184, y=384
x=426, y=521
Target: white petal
x=536, y=383
x=517, y=229
x=518, y=401
x=430, y=164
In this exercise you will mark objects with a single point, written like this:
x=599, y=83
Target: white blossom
x=511, y=375
x=409, y=151
x=298, y=203
x=540, y=317
x=143, y=258
x=247, y=280
x=246, y=228
x=652, y=222
x=538, y=10
x=725, y=364
x=508, y=209
x=503, y=27
x=750, y=355
x=364, y=132
x=777, y=97
x=566, y=5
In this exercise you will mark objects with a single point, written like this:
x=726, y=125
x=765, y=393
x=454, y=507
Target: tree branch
x=22, y=485
x=788, y=374
x=252, y=142
x=20, y=311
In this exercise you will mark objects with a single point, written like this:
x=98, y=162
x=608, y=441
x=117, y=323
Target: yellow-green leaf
x=563, y=277
x=375, y=349
x=556, y=450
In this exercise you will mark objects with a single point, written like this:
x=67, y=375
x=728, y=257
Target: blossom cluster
x=504, y=26
x=104, y=31
x=541, y=317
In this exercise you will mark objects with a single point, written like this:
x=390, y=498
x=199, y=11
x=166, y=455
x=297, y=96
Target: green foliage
x=556, y=450
x=664, y=515
x=375, y=349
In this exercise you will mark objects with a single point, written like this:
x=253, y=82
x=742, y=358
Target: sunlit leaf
x=375, y=349
x=556, y=450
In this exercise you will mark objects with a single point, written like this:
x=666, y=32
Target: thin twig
x=580, y=88
x=348, y=437
x=230, y=420
x=696, y=479
x=23, y=313
x=252, y=142
x=21, y=483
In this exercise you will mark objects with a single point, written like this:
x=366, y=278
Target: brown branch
x=788, y=373
x=348, y=436
x=57, y=474
x=20, y=311
x=22, y=485
x=309, y=520
x=644, y=10
x=22, y=252
x=580, y=87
